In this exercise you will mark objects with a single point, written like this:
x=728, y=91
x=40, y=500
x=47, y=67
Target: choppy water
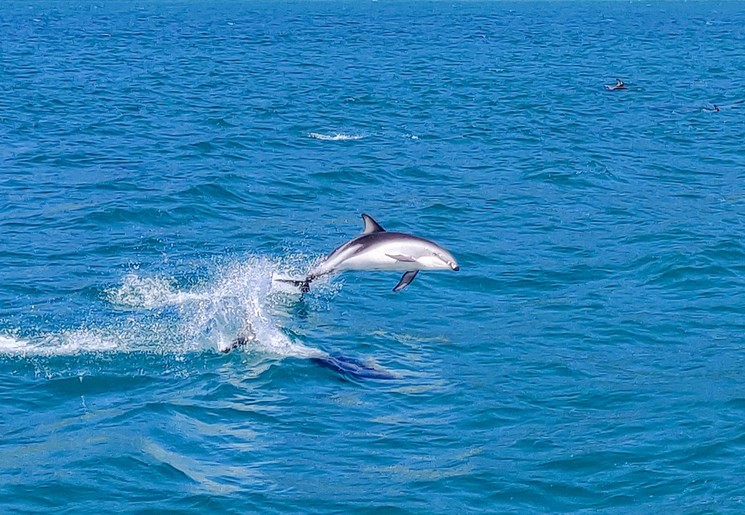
x=161, y=161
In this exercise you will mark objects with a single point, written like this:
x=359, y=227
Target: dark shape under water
x=352, y=367
x=348, y=367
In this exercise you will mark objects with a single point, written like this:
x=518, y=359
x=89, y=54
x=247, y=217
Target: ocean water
x=162, y=161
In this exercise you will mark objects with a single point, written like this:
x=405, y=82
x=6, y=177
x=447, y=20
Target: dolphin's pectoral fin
x=406, y=280
x=401, y=257
x=371, y=225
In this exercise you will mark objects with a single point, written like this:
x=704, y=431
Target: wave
x=335, y=137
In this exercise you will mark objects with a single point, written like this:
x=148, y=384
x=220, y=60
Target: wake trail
x=156, y=316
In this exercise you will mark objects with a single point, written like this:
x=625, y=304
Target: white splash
x=12, y=345
x=61, y=343
x=148, y=292
x=335, y=137
x=157, y=316
x=239, y=304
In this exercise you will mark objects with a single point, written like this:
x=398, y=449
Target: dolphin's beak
x=454, y=266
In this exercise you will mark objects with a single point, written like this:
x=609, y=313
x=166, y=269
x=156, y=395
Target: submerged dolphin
x=376, y=249
x=346, y=366
x=618, y=85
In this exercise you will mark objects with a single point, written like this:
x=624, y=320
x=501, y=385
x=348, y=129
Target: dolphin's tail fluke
x=303, y=284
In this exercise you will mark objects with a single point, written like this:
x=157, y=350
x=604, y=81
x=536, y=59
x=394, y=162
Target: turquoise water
x=162, y=161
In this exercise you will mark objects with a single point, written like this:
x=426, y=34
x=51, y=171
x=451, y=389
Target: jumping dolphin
x=376, y=249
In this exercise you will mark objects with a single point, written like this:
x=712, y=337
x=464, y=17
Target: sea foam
x=335, y=137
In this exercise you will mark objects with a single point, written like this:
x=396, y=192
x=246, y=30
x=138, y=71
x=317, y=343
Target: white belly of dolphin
x=377, y=261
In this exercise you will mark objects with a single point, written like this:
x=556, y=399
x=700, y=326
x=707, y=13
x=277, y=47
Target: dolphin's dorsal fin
x=371, y=225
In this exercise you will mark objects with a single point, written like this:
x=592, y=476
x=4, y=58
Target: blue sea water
x=162, y=161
